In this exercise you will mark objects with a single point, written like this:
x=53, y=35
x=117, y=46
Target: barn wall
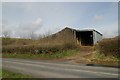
x=97, y=37
x=66, y=36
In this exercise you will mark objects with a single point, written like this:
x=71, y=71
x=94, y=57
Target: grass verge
x=99, y=58
x=0, y=73
x=9, y=74
x=41, y=56
x=103, y=57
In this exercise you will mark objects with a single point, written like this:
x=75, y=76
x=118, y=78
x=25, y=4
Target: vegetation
x=13, y=46
x=101, y=57
x=36, y=49
x=27, y=48
x=9, y=74
x=106, y=50
x=15, y=41
x=56, y=55
x=0, y=72
x=109, y=47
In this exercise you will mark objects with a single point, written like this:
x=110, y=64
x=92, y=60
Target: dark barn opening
x=85, y=38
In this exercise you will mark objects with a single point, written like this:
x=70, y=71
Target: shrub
x=7, y=41
x=109, y=47
x=37, y=49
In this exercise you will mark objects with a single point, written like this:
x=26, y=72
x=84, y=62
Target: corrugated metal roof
x=85, y=30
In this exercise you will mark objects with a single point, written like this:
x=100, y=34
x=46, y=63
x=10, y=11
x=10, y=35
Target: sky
x=21, y=18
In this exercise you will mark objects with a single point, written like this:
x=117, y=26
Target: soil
x=80, y=58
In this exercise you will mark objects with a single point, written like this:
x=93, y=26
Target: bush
x=109, y=47
x=7, y=41
x=36, y=49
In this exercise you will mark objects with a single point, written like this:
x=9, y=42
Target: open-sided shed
x=67, y=35
x=88, y=37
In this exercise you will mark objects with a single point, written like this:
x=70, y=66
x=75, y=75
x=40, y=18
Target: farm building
x=88, y=37
x=72, y=36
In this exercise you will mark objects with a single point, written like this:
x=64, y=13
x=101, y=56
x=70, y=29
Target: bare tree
x=48, y=33
x=6, y=34
x=40, y=36
x=32, y=35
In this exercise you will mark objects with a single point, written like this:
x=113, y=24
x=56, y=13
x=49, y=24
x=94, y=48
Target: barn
x=88, y=37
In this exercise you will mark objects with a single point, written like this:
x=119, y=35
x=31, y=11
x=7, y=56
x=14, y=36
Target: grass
x=106, y=52
x=41, y=56
x=100, y=56
x=0, y=73
x=9, y=74
x=109, y=46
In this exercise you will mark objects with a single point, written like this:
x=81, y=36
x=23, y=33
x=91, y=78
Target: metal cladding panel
x=97, y=37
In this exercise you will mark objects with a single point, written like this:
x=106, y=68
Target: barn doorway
x=85, y=38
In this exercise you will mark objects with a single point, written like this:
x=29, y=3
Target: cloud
x=6, y=26
x=109, y=30
x=22, y=30
x=0, y=28
x=56, y=16
x=98, y=18
x=38, y=22
x=60, y=1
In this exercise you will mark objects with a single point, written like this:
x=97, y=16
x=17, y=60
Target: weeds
x=102, y=57
x=42, y=56
x=9, y=74
x=109, y=47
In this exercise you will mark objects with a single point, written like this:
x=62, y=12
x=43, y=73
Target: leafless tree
x=6, y=34
x=40, y=36
x=32, y=35
x=48, y=33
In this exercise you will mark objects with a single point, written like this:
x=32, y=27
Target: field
x=105, y=52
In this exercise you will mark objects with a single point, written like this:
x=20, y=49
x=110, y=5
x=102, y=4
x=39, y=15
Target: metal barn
x=68, y=35
x=88, y=37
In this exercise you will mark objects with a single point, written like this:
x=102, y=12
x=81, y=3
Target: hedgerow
x=37, y=49
x=109, y=47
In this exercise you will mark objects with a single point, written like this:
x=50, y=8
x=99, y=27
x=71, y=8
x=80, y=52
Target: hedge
x=36, y=49
x=109, y=46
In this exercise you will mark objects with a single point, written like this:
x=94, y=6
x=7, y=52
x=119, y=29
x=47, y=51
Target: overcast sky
x=23, y=17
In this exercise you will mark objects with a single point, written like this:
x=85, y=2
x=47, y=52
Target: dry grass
x=58, y=42
x=106, y=52
x=16, y=41
x=25, y=46
x=109, y=47
x=65, y=36
x=57, y=55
